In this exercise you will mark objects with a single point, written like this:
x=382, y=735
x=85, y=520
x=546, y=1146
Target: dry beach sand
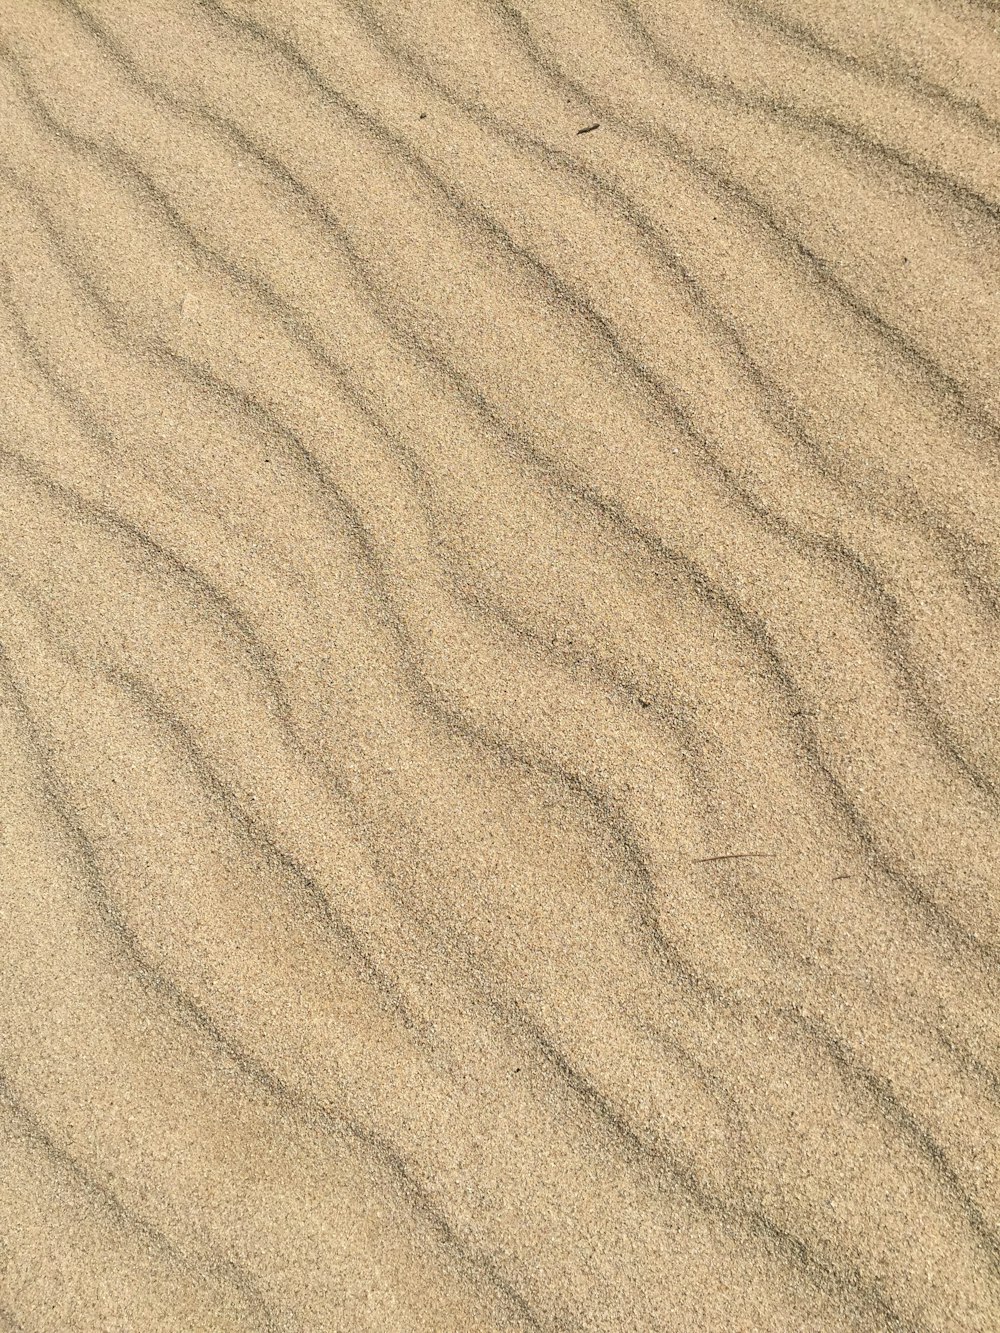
x=499, y=599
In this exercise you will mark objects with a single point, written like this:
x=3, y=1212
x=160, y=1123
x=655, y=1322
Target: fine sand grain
x=499, y=600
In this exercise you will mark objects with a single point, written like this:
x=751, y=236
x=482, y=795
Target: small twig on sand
x=729, y=856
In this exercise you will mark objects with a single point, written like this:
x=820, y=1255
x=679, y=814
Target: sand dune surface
x=499, y=599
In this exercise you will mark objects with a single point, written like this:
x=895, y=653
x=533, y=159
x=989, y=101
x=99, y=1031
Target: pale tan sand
x=498, y=688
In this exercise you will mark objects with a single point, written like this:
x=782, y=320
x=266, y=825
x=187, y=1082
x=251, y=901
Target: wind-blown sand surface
x=499, y=597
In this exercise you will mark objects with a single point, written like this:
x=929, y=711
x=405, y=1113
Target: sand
x=499, y=588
